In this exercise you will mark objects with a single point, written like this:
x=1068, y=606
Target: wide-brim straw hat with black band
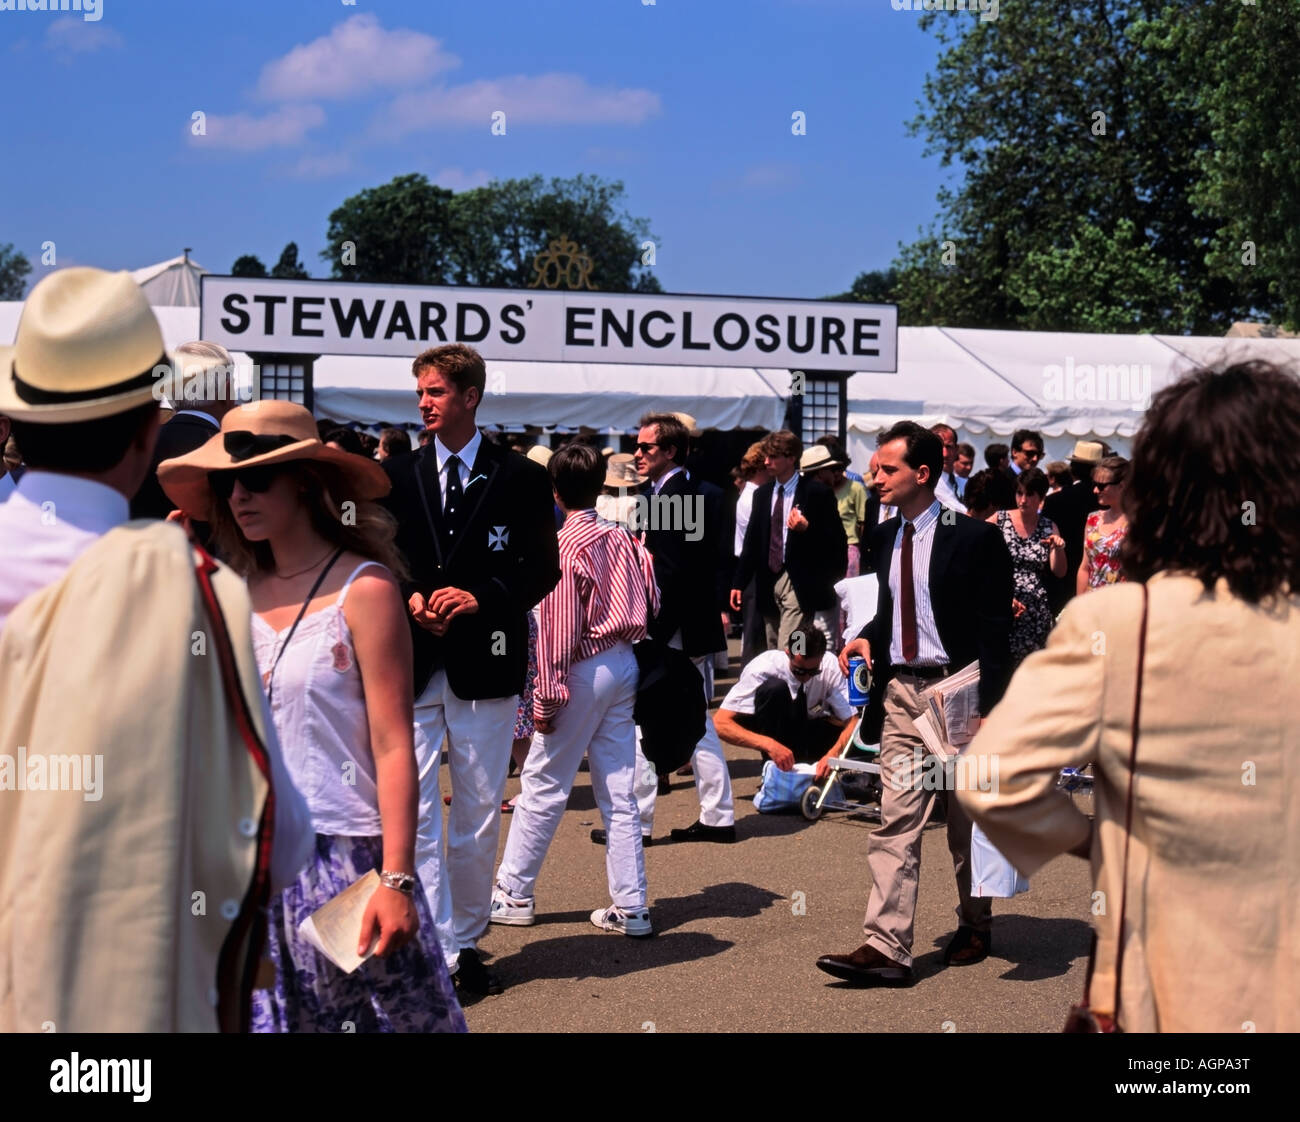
x=88, y=346
x=620, y=472
x=262, y=433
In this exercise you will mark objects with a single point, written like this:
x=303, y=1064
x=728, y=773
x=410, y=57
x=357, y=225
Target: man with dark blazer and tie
x=945, y=588
x=682, y=538
x=1069, y=509
x=795, y=546
x=477, y=528
x=204, y=371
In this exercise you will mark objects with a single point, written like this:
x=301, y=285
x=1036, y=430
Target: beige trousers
x=789, y=618
x=894, y=850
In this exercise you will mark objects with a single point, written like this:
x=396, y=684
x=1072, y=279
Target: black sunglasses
x=803, y=672
x=644, y=448
x=258, y=480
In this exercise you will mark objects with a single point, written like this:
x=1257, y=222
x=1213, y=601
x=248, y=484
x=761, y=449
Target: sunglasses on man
x=804, y=671
x=1032, y=453
x=643, y=448
x=256, y=480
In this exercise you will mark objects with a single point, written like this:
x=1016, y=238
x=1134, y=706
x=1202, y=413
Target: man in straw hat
x=137, y=812
x=476, y=524
x=1069, y=509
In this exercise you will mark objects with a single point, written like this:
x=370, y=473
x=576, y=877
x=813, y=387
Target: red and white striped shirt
x=607, y=593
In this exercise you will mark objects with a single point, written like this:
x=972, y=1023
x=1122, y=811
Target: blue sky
x=689, y=102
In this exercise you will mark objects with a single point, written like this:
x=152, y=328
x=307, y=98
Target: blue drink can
x=859, y=682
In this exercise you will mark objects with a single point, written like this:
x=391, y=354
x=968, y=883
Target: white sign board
x=539, y=325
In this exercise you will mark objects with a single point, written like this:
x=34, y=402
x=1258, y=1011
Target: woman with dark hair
x=1035, y=546
x=976, y=498
x=1178, y=688
x=297, y=519
x=1103, y=534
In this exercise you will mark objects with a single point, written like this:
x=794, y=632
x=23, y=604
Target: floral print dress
x=1102, y=549
x=1030, y=558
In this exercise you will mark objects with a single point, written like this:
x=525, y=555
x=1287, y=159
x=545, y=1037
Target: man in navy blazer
x=796, y=566
x=476, y=524
x=945, y=591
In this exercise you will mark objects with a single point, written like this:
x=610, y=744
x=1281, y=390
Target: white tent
x=1067, y=386
x=173, y=283
x=562, y=396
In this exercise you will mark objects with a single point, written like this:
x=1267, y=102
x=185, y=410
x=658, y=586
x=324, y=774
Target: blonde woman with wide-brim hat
x=298, y=519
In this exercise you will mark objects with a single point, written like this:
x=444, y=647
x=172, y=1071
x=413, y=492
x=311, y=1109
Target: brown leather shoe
x=866, y=967
x=967, y=947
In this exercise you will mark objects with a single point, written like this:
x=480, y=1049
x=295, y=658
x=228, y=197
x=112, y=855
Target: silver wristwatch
x=402, y=882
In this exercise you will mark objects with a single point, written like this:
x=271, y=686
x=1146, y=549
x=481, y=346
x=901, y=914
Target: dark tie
x=801, y=704
x=907, y=596
x=775, y=546
x=453, y=513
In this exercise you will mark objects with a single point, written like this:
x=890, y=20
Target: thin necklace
x=308, y=569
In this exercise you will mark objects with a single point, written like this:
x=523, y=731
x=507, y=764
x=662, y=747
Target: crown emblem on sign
x=562, y=264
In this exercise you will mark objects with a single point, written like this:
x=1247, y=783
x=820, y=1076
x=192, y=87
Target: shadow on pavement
x=1034, y=947
x=604, y=955
x=732, y=900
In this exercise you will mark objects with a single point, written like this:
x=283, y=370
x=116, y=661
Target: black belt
x=930, y=673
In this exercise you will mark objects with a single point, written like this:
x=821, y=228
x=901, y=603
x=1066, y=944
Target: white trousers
x=477, y=735
x=598, y=722
x=712, y=780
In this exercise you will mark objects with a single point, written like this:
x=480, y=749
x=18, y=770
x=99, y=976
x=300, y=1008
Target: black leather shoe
x=698, y=832
x=967, y=947
x=472, y=978
x=866, y=967
x=665, y=786
x=599, y=837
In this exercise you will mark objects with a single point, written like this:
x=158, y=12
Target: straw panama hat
x=87, y=346
x=816, y=458
x=257, y=434
x=1087, y=452
x=620, y=471
x=539, y=454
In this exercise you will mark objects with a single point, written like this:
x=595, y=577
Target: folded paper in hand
x=334, y=927
x=948, y=723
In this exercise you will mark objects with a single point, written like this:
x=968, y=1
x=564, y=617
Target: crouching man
x=791, y=705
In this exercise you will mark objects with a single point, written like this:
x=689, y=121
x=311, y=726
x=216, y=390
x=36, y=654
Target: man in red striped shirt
x=582, y=704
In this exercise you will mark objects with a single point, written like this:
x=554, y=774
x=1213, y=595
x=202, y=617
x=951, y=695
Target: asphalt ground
x=738, y=928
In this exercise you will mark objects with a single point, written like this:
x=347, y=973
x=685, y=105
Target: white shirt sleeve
x=837, y=689
x=294, y=837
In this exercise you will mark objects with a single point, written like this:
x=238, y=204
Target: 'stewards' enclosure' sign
x=528, y=325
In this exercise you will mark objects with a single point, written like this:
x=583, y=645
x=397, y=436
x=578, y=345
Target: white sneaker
x=510, y=910
x=614, y=918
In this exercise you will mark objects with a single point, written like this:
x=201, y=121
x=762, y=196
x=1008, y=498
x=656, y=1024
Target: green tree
x=248, y=266
x=1248, y=58
x=410, y=231
x=876, y=287
x=400, y=233
x=289, y=267
x=1061, y=115
x=14, y=268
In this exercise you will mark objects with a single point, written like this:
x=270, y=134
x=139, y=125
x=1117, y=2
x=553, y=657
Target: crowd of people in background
x=375, y=606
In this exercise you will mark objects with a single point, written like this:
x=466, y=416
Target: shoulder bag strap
x=1128, y=807
x=270, y=674
x=241, y=950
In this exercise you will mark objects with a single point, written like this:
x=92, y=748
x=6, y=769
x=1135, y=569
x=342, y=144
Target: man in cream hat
x=1069, y=509
x=131, y=885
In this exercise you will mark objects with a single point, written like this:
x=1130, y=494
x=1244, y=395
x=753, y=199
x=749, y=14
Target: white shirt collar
x=658, y=486
x=197, y=413
x=926, y=518
x=78, y=502
x=467, y=455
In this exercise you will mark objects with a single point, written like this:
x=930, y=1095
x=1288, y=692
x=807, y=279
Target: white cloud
x=325, y=165
x=458, y=179
x=281, y=128
x=549, y=99
x=358, y=55
x=73, y=35
x=775, y=176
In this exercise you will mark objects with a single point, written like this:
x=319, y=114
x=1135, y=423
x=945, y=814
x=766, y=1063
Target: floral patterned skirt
x=524, y=712
x=406, y=991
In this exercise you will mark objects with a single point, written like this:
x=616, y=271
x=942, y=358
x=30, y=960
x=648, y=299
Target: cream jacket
x=113, y=909
x=1212, y=935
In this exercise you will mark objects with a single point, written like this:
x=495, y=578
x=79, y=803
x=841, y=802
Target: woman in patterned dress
x=1034, y=545
x=1105, y=529
x=332, y=642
